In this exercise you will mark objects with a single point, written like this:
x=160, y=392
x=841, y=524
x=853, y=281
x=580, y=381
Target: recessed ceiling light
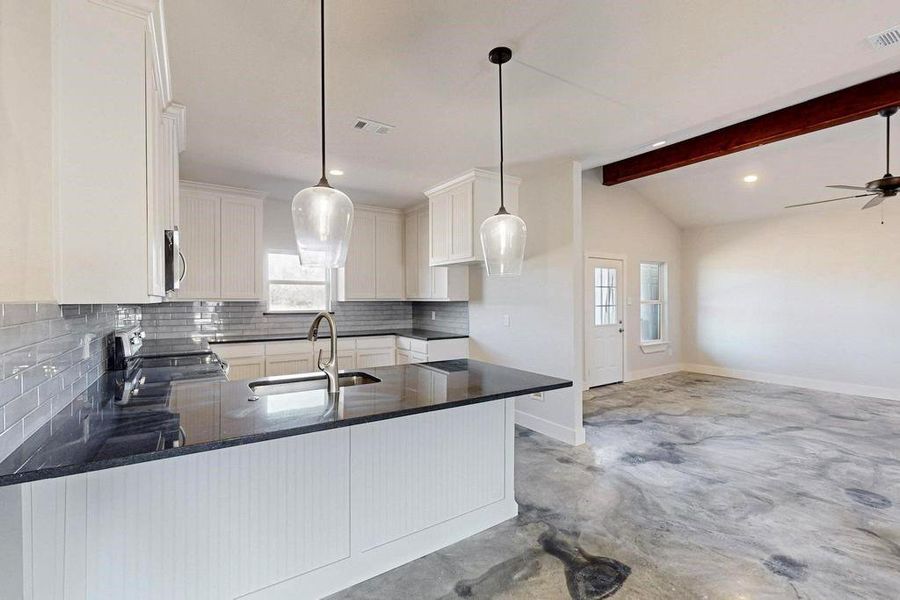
x=750, y=178
x=659, y=144
x=335, y=172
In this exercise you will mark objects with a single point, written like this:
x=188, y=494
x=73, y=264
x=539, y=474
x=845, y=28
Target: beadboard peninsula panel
x=425, y=469
x=211, y=525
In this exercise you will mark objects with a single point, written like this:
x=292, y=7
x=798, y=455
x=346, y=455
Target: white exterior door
x=604, y=325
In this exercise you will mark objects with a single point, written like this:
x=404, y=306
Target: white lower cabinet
x=268, y=359
x=246, y=368
x=419, y=351
x=289, y=364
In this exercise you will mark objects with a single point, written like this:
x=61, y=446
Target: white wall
x=26, y=152
x=544, y=332
x=619, y=222
x=808, y=299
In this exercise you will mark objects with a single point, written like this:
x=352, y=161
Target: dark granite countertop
x=168, y=347
x=195, y=416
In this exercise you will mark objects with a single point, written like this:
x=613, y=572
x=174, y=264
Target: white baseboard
x=823, y=385
x=568, y=435
x=653, y=372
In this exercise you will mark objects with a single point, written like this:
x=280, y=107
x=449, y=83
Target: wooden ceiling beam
x=843, y=106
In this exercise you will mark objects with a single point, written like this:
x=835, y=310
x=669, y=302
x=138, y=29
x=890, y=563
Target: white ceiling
x=591, y=80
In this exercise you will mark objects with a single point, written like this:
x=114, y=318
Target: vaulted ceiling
x=590, y=79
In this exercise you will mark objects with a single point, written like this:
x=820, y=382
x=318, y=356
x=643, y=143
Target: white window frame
x=661, y=344
x=328, y=287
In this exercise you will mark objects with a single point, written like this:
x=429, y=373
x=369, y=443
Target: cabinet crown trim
x=178, y=113
x=199, y=186
x=471, y=175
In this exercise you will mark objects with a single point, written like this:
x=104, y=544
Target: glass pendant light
x=502, y=235
x=323, y=216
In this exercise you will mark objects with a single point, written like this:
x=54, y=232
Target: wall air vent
x=372, y=126
x=888, y=37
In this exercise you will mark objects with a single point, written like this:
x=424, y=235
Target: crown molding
x=471, y=175
x=152, y=12
x=200, y=186
x=178, y=113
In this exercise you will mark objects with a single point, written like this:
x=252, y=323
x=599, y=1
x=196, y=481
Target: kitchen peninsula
x=263, y=494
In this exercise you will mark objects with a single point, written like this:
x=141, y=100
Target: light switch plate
x=506, y=320
x=433, y=315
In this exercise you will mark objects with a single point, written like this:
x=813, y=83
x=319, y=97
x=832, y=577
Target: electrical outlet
x=433, y=315
x=506, y=320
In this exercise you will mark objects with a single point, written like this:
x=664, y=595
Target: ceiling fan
x=876, y=190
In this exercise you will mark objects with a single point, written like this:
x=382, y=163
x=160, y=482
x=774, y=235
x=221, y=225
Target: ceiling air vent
x=372, y=126
x=886, y=38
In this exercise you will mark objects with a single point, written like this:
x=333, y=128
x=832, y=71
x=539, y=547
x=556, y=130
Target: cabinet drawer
x=420, y=346
x=287, y=364
x=290, y=347
x=374, y=358
x=372, y=343
x=404, y=343
x=418, y=357
x=238, y=350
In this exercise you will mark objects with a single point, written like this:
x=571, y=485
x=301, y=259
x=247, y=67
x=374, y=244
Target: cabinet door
x=359, y=272
x=418, y=357
x=461, y=226
x=240, y=241
x=388, y=256
x=374, y=358
x=403, y=357
x=157, y=198
x=200, y=245
x=246, y=368
x=411, y=254
x=289, y=364
x=439, y=229
x=423, y=267
x=346, y=359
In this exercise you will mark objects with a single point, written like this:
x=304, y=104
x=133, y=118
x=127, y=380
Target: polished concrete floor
x=690, y=486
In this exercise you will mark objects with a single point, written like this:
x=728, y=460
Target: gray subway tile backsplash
x=48, y=355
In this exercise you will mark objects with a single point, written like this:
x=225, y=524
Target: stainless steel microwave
x=176, y=266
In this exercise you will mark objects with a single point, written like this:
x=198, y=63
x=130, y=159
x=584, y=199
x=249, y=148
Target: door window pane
x=650, y=322
x=605, y=302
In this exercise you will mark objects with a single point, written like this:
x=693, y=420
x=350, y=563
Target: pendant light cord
x=324, y=180
x=500, y=78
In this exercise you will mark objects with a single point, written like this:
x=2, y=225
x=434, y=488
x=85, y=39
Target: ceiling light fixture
x=751, y=178
x=335, y=172
x=323, y=216
x=502, y=235
x=659, y=144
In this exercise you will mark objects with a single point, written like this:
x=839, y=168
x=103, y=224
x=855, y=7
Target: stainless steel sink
x=290, y=383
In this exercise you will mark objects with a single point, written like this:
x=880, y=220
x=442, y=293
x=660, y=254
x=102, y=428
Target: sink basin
x=302, y=383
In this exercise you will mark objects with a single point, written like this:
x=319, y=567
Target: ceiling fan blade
x=831, y=200
x=873, y=202
x=847, y=187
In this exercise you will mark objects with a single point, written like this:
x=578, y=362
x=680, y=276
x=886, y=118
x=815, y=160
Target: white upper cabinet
x=374, y=268
x=456, y=210
x=221, y=240
x=424, y=282
x=117, y=150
